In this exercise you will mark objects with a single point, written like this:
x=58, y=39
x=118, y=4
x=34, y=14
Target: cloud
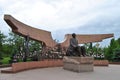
x=52, y=15
x=64, y=16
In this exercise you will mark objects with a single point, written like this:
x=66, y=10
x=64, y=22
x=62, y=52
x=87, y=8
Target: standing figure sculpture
x=74, y=49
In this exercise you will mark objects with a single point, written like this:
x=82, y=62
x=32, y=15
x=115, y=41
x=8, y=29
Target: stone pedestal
x=78, y=64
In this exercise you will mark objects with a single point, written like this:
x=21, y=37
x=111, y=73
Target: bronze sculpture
x=74, y=49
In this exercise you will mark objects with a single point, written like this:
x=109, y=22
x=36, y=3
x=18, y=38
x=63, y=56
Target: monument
x=74, y=63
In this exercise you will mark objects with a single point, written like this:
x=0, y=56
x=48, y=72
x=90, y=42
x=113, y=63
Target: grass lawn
x=5, y=60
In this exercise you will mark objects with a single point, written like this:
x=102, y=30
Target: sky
x=65, y=16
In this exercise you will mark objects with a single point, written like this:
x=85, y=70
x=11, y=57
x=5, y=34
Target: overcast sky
x=64, y=16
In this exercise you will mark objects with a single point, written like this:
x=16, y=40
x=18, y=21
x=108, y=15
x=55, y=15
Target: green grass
x=5, y=60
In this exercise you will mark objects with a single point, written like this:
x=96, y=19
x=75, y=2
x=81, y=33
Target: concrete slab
x=100, y=73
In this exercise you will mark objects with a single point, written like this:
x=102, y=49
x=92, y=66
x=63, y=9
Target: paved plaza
x=58, y=73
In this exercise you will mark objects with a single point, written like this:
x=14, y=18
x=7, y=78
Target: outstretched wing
x=86, y=38
x=25, y=30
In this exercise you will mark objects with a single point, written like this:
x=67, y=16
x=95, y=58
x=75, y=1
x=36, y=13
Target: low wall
x=114, y=63
x=21, y=66
x=101, y=63
x=35, y=64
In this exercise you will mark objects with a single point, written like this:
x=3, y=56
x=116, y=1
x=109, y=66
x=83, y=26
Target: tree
x=113, y=49
x=35, y=49
x=89, y=48
x=18, y=46
x=118, y=41
x=116, y=55
x=109, y=50
x=2, y=40
x=15, y=42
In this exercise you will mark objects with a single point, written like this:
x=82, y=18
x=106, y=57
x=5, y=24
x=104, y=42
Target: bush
x=5, y=60
x=112, y=50
x=116, y=55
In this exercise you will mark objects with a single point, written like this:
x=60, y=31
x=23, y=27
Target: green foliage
x=15, y=44
x=112, y=50
x=95, y=51
x=116, y=55
x=2, y=41
x=109, y=53
x=34, y=46
x=118, y=42
x=5, y=60
x=2, y=38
